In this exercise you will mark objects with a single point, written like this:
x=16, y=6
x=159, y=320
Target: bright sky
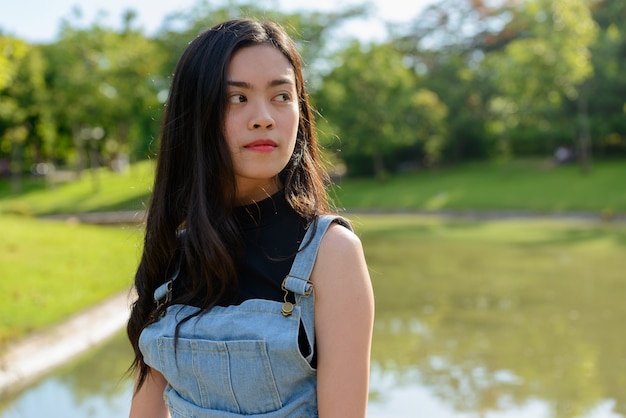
x=39, y=20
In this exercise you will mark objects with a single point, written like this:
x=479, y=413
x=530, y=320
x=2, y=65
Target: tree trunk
x=379, y=166
x=80, y=151
x=94, y=165
x=15, y=167
x=584, y=135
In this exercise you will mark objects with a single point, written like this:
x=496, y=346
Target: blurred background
x=479, y=147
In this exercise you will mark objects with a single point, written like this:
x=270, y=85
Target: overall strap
x=297, y=281
x=163, y=293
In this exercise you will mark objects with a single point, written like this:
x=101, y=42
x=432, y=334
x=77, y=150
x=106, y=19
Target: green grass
x=519, y=185
x=526, y=185
x=51, y=270
x=126, y=191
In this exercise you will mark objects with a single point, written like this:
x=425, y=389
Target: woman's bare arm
x=148, y=401
x=344, y=316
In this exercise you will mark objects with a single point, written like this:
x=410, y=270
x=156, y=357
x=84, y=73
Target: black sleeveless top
x=271, y=232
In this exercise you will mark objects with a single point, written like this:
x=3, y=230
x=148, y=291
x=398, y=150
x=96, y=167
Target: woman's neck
x=252, y=193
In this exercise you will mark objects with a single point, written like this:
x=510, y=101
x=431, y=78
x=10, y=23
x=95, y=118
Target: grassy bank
x=528, y=185
x=126, y=191
x=51, y=270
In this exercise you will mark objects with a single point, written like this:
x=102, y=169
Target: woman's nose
x=261, y=118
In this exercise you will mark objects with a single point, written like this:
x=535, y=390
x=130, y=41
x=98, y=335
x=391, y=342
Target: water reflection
x=471, y=322
x=501, y=320
x=92, y=386
x=412, y=399
x=53, y=398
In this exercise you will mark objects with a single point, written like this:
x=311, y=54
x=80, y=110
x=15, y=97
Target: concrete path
x=23, y=362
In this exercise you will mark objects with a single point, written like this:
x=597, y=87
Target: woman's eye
x=283, y=97
x=236, y=98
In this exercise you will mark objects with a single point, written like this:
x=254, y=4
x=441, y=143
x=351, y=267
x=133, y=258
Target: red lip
x=261, y=143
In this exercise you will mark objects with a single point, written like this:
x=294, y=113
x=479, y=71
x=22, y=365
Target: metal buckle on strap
x=287, y=308
x=164, y=300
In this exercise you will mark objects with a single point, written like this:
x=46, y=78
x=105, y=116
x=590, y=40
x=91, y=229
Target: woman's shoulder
x=340, y=237
x=340, y=255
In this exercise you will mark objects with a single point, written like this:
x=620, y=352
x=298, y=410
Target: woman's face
x=261, y=119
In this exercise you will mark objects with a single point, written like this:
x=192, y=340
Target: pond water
x=472, y=322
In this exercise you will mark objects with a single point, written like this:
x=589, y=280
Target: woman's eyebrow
x=242, y=84
x=272, y=83
x=280, y=82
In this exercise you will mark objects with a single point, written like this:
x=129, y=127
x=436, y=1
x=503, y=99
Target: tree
x=464, y=28
x=131, y=82
x=75, y=75
x=107, y=84
x=371, y=101
x=445, y=44
x=310, y=30
x=551, y=62
x=27, y=129
x=607, y=87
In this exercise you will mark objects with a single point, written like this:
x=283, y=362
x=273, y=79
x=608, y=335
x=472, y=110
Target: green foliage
x=311, y=31
x=27, y=129
x=430, y=115
x=608, y=121
x=107, y=86
x=553, y=59
x=13, y=51
x=535, y=72
x=464, y=80
x=399, y=115
x=521, y=78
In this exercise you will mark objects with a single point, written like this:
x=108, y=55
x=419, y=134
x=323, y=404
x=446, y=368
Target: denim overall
x=241, y=360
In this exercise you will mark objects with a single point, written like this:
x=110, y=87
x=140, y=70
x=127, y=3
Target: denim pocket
x=229, y=376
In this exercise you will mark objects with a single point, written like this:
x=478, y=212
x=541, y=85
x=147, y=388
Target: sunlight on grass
x=51, y=270
x=117, y=191
x=519, y=185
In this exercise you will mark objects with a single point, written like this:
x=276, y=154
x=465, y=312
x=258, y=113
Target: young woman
x=252, y=298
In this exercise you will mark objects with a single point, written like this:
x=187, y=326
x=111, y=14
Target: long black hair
x=194, y=187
